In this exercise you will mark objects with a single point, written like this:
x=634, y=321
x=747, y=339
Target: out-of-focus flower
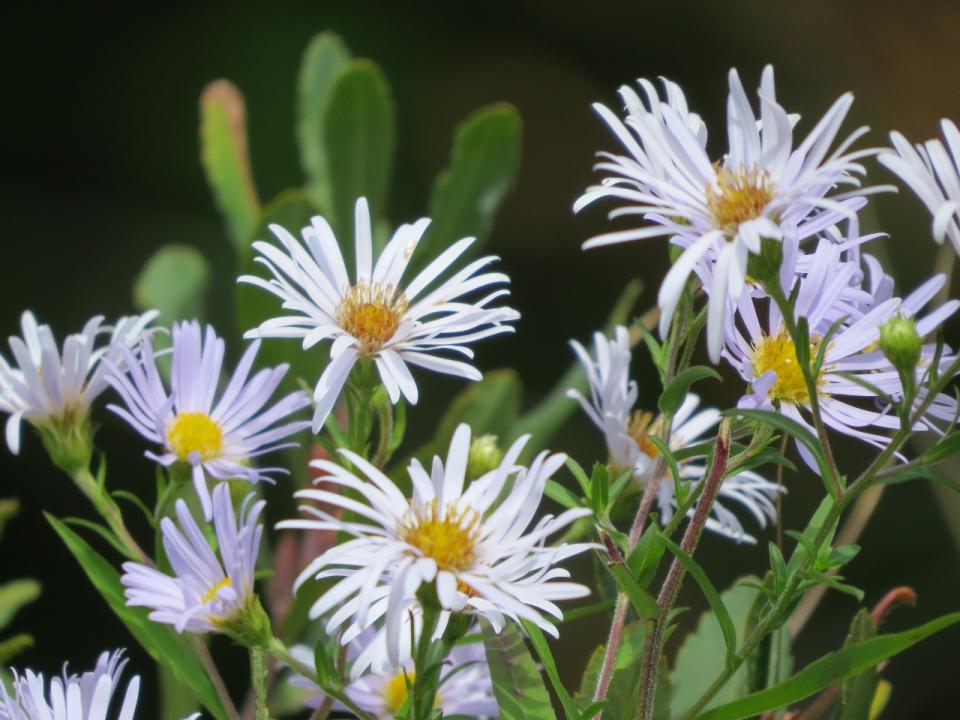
x=216, y=437
x=627, y=433
x=208, y=592
x=52, y=390
x=718, y=212
x=89, y=696
x=473, y=543
x=374, y=317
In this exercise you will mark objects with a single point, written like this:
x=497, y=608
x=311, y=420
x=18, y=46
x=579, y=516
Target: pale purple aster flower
x=376, y=317
x=206, y=589
x=932, y=171
x=215, y=437
x=45, y=384
x=763, y=187
x=89, y=696
x=475, y=543
x=627, y=434
x=466, y=689
x=761, y=350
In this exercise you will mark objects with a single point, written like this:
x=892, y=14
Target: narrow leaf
x=673, y=394
x=14, y=595
x=517, y=685
x=542, y=649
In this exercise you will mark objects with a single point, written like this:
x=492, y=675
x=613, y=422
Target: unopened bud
x=485, y=455
x=764, y=267
x=900, y=343
x=68, y=439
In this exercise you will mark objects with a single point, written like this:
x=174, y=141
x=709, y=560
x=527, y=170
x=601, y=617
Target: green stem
x=258, y=679
x=427, y=674
x=110, y=512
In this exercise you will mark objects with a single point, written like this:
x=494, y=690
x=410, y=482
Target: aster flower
x=89, y=696
x=763, y=353
x=375, y=317
x=216, y=438
x=45, y=385
x=932, y=171
x=717, y=212
x=627, y=432
x=466, y=689
x=480, y=554
x=207, y=590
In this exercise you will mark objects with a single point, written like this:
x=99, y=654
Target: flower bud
x=764, y=267
x=900, y=343
x=68, y=439
x=485, y=455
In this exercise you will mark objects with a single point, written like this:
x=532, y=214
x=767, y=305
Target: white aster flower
x=466, y=688
x=375, y=316
x=207, y=589
x=89, y=696
x=932, y=171
x=481, y=554
x=763, y=353
x=718, y=212
x=627, y=434
x=215, y=437
x=45, y=384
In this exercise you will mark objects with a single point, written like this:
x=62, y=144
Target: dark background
x=100, y=167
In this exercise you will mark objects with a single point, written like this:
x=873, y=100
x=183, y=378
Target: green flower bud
x=485, y=455
x=249, y=626
x=68, y=439
x=765, y=266
x=900, y=343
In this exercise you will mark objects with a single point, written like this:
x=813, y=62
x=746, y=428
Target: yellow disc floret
x=195, y=432
x=738, y=196
x=450, y=540
x=640, y=428
x=778, y=353
x=211, y=594
x=372, y=314
x=395, y=691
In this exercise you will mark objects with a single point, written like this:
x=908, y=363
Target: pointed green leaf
x=674, y=394
x=223, y=151
x=323, y=59
x=14, y=595
x=517, y=684
x=857, y=692
x=483, y=163
x=174, y=281
x=11, y=647
x=358, y=130
x=9, y=507
x=160, y=641
x=542, y=649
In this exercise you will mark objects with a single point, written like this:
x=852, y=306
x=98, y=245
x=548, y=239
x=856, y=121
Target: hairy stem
x=204, y=652
x=258, y=679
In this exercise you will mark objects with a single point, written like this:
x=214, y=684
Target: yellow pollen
x=372, y=314
x=778, y=353
x=640, y=428
x=450, y=540
x=211, y=594
x=195, y=432
x=395, y=691
x=739, y=196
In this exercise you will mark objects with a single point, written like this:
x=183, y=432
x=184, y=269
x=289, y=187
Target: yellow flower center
x=395, y=690
x=640, y=428
x=211, y=594
x=372, y=314
x=778, y=353
x=195, y=432
x=739, y=196
x=450, y=540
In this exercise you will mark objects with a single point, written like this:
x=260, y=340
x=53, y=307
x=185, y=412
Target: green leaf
x=542, y=649
x=641, y=600
x=772, y=660
x=483, y=163
x=791, y=427
x=174, y=281
x=14, y=595
x=358, y=133
x=11, y=647
x=223, y=151
x=629, y=655
x=703, y=654
x=517, y=685
x=160, y=641
x=673, y=394
x=559, y=494
x=645, y=558
x=831, y=668
x=323, y=60
x=720, y=611
x=9, y=507
x=919, y=472
x=857, y=692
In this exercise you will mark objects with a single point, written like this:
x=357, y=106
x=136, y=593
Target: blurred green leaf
x=857, y=692
x=831, y=668
x=174, y=281
x=517, y=684
x=9, y=507
x=642, y=601
x=223, y=151
x=674, y=394
x=14, y=595
x=358, y=130
x=542, y=649
x=484, y=160
x=628, y=655
x=160, y=641
x=323, y=59
x=772, y=661
x=945, y=447
x=11, y=647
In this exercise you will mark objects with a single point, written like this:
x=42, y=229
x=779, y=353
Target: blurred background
x=101, y=167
